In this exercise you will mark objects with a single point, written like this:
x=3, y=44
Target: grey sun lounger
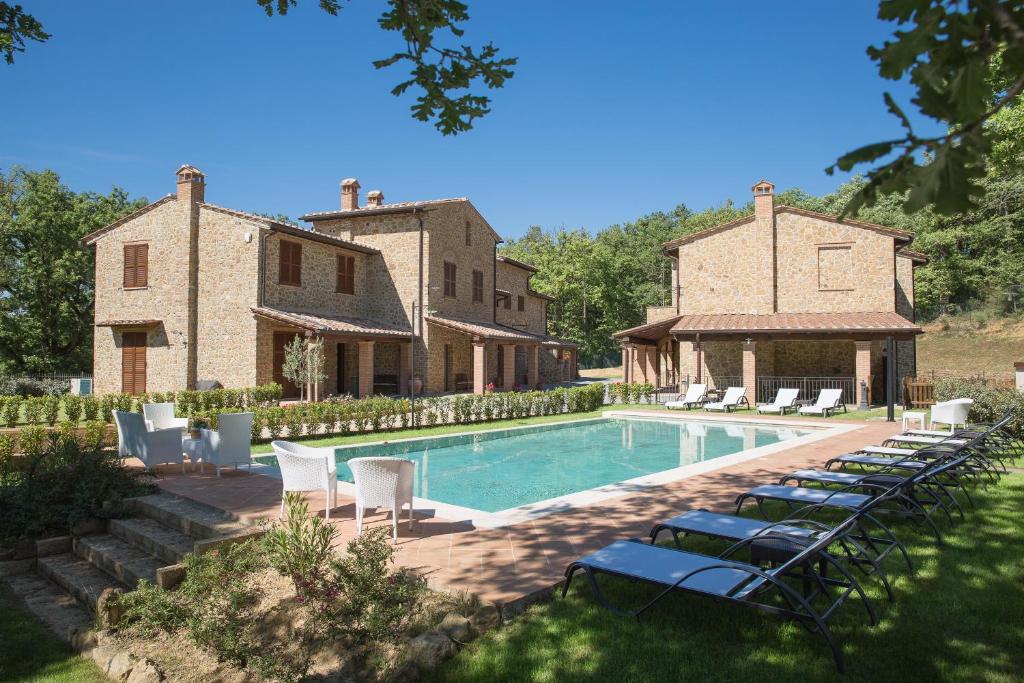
x=727, y=580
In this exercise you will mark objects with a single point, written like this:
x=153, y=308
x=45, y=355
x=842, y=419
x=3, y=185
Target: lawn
x=960, y=617
x=29, y=652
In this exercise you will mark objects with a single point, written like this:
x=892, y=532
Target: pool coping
x=543, y=508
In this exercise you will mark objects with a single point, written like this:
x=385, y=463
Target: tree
x=440, y=73
x=965, y=59
x=295, y=368
x=46, y=274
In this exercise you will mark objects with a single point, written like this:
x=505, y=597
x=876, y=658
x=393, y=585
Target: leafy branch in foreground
x=15, y=28
x=966, y=60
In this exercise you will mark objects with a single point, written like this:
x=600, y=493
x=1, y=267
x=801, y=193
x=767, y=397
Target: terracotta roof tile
x=484, y=330
x=383, y=208
x=293, y=230
x=96, y=234
x=323, y=324
x=795, y=322
x=127, y=323
x=518, y=264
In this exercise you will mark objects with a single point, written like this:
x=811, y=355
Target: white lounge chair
x=695, y=396
x=382, y=482
x=785, y=399
x=158, y=447
x=734, y=398
x=952, y=413
x=829, y=401
x=161, y=416
x=230, y=444
x=307, y=469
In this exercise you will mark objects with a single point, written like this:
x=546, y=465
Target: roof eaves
x=893, y=232
x=707, y=232
x=518, y=264
x=96, y=234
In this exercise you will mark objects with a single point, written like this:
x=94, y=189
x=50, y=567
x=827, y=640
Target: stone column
x=508, y=375
x=404, y=367
x=626, y=363
x=750, y=371
x=365, y=368
x=479, y=367
x=863, y=365
x=533, y=365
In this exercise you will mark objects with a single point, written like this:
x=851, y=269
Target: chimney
x=764, y=201
x=191, y=184
x=349, y=194
x=375, y=198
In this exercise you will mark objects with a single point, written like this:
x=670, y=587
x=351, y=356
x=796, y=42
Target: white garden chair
x=695, y=394
x=733, y=399
x=158, y=447
x=161, y=416
x=829, y=401
x=952, y=413
x=382, y=482
x=785, y=400
x=230, y=444
x=307, y=469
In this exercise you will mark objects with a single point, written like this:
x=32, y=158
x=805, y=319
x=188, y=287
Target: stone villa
x=404, y=295
x=783, y=297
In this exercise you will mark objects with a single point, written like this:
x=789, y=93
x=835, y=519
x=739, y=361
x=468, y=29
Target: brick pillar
x=365, y=368
x=863, y=364
x=750, y=371
x=479, y=367
x=533, y=365
x=626, y=363
x=698, y=362
x=508, y=375
x=404, y=367
x=651, y=372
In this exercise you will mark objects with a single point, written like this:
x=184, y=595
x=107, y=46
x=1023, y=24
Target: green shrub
x=33, y=410
x=990, y=403
x=90, y=408
x=51, y=409
x=12, y=411
x=106, y=406
x=94, y=434
x=301, y=543
x=73, y=404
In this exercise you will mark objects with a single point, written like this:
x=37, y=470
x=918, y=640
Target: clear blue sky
x=617, y=108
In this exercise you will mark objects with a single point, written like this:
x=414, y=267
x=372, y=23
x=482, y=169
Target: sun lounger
x=733, y=399
x=829, y=401
x=785, y=400
x=695, y=396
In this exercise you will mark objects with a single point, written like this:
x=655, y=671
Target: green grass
x=960, y=617
x=29, y=652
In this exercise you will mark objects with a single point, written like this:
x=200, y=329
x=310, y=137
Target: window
x=478, y=286
x=835, y=267
x=449, y=279
x=507, y=302
x=133, y=363
x=469, y=234
x=136, y=265
x=521, y=303
x=290, y=272
x=346, y=274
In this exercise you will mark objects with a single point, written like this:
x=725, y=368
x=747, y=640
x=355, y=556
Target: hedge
x=631, y=392
x=378, y=414
x=990, y=403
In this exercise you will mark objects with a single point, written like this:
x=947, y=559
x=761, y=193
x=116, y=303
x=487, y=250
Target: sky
x=616, y=110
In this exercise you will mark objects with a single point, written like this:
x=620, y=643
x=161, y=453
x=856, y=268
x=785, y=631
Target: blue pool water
x=503, y=469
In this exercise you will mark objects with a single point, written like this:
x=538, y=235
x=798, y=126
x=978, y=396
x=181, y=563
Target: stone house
x=404, y=296
x=784, y=297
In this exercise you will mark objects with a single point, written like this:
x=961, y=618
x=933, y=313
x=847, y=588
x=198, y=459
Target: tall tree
x=46, y=274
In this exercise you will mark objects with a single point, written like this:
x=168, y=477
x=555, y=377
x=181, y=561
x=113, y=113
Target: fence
x=918, y=393
x=809, y=387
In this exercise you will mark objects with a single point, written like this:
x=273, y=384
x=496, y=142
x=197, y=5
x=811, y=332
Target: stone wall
x=814, y=358
x=659, y=313
x=713, y=280
x=802, y=287
x=517, y=281
x=165, y=229
x=722, y=359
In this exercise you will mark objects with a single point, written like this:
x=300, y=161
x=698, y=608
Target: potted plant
x=198, y=422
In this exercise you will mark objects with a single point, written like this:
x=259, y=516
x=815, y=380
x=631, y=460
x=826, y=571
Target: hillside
x=971, y=346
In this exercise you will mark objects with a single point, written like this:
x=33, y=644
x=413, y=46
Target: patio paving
x=504, y=565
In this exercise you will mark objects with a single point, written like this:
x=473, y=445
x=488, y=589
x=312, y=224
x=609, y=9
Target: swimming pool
x=497, y=470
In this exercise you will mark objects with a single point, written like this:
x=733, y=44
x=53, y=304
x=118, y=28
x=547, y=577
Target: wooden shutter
x=478, y=286
x=133, y=362
x=136, y=265
x=521, y=303
x=346, y=274
x=449, y=279
x=290, y=263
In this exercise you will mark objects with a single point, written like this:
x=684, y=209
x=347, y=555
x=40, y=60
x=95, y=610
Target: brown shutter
x=142, y=268
x=297, y=264
x=290, y=264
x=346, y=274
x=283, y=263
x=351, y=274
x=129, y=265
x=133, y=362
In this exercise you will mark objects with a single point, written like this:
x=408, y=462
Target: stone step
x=56, y=608
x=189, y=517
x=163, y=542
x=78, y=577
x=120, y=559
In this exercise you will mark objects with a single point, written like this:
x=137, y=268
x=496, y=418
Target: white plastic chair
x=734, y=397
x=695, y=394
x=304, y=468
x=161, y=416
x=785, y=400
x=230, y=444
x=952, y=413
x=382, y=482
x=829, y=400
x=158, y=447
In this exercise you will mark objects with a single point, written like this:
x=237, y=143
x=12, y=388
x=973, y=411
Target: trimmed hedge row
x=378, y=414
x=47, y=409
x=631, y=392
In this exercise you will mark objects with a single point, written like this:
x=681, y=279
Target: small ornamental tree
x=295, y=366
